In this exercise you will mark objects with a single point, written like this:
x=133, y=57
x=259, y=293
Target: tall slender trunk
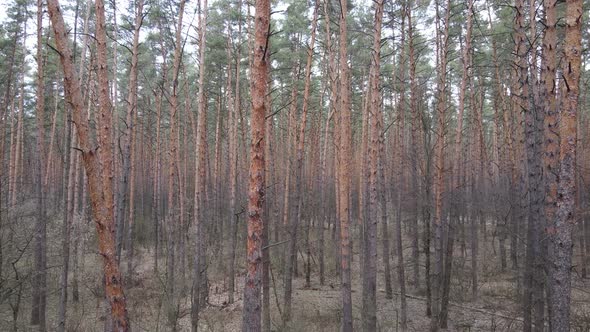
x=456, y=200
x=40, y=275
x=129, y=148
x=534, y=117
x=200, y=198
x=560, y=254
x=77, y=266
x=76, y=228
x=233, y=105
x=467, y=75
x=131, y=211
x=157, y=169
x=415, y=141
x=300, y=149
x=438, y=277
x=344, y=173
x=401, y=167
x=18, y=146
x=120, y=162
x=18, y=184
x=50, y=158
x=216, y=180
x=98, y=166
x=500, y=152
x=8, y=100
x=369, y=313
x=289, y=233
x=182, y=184
x=363, y=179
x=478, y=182
x=324, y=192
x=259, y=89
x=551, y=139
x=334, y=101
x=171, y=219
x=519, y=94
x=268, y=169
x=66, y=230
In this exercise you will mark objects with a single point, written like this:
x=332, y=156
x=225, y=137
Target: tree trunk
x=66, y=230
x=259, y=89
x=40, y=275
x=8, y=100
x=157, y=169
x=323, y=187
x=98, y=166
x=289, y=232
x=534, y=141
x=82, y=184
x=438, y=277
x=550, y=134
x=344, y=174
x=401, y=167
x=369, y=274
x=233, y=164
x=234, y=147
x=130, y=134
x=76, y=228
x=415, y=141
x=200, y=199
x=269, y=175
x=456, y=189
x=560, y=250
x=171, y=218
x=300, y=149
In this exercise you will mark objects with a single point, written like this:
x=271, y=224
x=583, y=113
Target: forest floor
x=316, y=308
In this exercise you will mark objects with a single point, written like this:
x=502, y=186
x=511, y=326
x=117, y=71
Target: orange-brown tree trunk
x=259, y=88
x=299, y=151
x=97, y=162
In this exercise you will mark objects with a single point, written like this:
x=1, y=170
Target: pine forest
x=295, y=165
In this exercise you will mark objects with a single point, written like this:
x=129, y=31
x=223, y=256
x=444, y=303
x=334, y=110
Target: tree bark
x=290, y=255
x=269, y=175
x=344, y=174
x=560, y=250
x=66, y=228
x=259, y=89
x=369, y=275
x=438, y=277
x=128, y=166
x=550, y=133
x=233, y=164
x=200, y=199
x=171, y=217
x=300, y=149
x=466, y=75
x=415, y=141
x=534, y=271
x=401, y=167
x=40, y=275
x=97, y=162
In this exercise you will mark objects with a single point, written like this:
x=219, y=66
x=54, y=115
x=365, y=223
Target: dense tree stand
x=294, y=165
